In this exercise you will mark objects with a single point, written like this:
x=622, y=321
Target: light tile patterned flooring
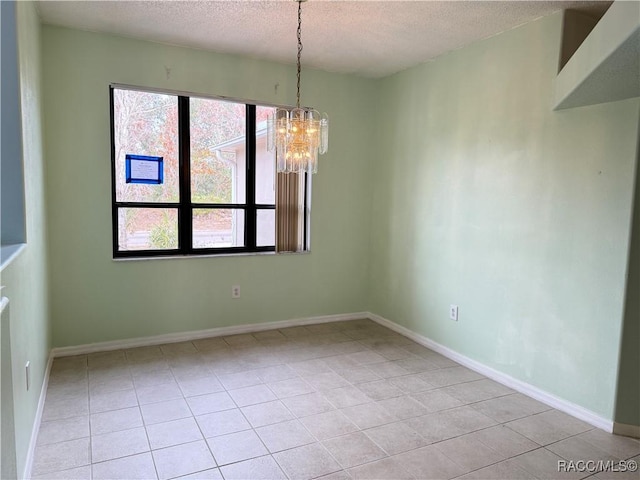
x=336, y=400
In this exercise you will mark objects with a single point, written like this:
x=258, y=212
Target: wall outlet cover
x=453, y=312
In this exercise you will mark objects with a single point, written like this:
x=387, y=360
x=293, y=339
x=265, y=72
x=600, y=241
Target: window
x=218, y=188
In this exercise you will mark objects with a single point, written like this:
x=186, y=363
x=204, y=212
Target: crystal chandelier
x=300, y=134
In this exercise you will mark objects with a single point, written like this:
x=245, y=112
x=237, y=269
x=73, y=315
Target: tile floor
x=336, y=400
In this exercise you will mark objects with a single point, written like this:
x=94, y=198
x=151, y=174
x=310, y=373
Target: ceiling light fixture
x=300, y=134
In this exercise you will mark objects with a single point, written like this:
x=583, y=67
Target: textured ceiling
x=363, y=37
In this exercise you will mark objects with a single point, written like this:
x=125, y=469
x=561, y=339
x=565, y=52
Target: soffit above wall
x=606, y=66
x=368, y=38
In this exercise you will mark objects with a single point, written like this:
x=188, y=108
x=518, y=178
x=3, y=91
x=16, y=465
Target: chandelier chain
x=299, y=49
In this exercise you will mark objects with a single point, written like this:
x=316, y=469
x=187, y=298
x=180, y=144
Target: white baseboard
x=534, y=392
x=28, y=464
x=565, y=406
x=197, y=334
x=626, y=430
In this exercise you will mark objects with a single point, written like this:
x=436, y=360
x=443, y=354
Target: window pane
x=147, y=229
x=218, y=228
x=266, y=228
x=265, y=160
x=146, y=124
x=218, y=151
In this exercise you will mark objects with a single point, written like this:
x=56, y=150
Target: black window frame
x=185, y=206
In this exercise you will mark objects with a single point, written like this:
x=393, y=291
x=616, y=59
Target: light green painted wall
x=26, y=277
x=486, y=198
x=628, y=392
x=94, y=298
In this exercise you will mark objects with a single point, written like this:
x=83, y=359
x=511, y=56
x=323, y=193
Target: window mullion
x=185, y=218
x=114, y=209
x=250, y=215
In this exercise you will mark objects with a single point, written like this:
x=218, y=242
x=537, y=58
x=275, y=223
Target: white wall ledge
x=8, y=253
x=606, y=67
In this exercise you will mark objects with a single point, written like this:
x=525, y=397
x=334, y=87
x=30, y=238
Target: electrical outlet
x=27, y=368
x=235, y=291
x=453, y=312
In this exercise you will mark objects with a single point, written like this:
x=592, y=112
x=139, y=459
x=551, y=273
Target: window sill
x=8, y=253
x=221, y=255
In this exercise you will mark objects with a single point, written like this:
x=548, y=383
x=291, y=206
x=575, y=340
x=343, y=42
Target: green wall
x=628, y=393
x=488, y=199
x=26, y=277
x=94, y=298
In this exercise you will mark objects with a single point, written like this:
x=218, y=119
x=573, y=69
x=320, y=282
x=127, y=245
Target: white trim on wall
x=565, y=406
x=518, y=385
x=197, y=334
x=28, y=464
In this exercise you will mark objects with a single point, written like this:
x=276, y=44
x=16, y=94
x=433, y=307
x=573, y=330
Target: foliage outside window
x=218, y=191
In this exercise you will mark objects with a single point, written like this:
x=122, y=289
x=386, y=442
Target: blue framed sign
x=142, y=169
